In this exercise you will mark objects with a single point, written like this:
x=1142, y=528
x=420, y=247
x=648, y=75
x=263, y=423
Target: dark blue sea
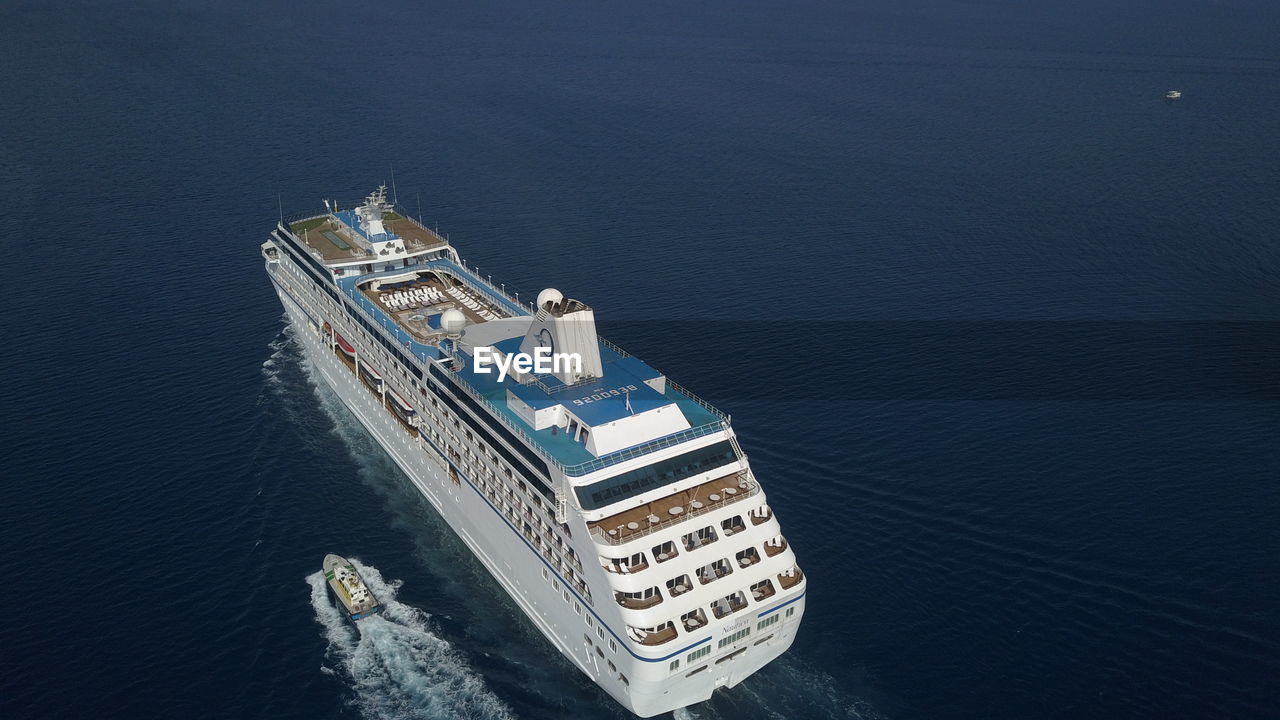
x=998, y=324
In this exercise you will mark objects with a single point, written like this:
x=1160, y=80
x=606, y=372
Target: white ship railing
x=744, y=476
x=683, y=436
x=471, y=278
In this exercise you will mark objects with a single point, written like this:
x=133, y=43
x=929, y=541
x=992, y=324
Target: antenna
x=395, y=197
x=419, y=208
x=280, y=207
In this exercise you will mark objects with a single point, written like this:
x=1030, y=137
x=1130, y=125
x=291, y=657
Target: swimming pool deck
x=405, y=317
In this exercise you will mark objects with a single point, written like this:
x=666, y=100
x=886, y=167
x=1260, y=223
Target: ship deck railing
x=616, y=529
x=653, y=636
x=789, y=581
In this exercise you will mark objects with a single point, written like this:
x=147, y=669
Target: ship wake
x=397, y=666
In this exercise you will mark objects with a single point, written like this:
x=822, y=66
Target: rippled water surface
x=996, y=322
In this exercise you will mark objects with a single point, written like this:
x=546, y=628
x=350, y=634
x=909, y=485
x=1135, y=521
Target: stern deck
x=636, y=522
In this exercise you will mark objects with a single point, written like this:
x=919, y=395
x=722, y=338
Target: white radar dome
x=549, y=295
x=452, y=321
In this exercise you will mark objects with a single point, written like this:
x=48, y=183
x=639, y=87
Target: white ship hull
x=642, y=679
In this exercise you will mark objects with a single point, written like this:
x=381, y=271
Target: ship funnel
x=565, y=326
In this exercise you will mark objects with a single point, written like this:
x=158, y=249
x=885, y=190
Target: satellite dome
x=452, y=321
x=549, y=295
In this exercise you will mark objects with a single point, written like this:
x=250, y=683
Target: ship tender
x=346, y=585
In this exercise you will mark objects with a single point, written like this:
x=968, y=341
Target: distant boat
x=1173, y=94
x=345, y=583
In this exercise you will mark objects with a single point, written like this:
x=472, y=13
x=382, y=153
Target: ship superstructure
x=615, y=507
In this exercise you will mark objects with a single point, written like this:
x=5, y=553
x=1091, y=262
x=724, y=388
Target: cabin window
x=679, y=585
x=762, y=590
x=691, y=621
x=735, y=637
x=665, y=551
x=714, y=571
x=704, y=536
x=733, y=525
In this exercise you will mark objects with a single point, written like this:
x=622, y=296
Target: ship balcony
x=790, y=578
x=693, y=620
x=762, y=590
x=700, y=538
x=638, y=600
x=733, y=526
x=747, y=557
x=627, y=565
x=775, y=545
x=679, y=586
x=761, y=515
x=666, y=551
x=729, y=604
x=714, y=571
x=642, y=520
x=664, y=633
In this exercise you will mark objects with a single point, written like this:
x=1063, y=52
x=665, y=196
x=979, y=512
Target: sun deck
x=338, y=242
x=642, y=520
x=416, y=303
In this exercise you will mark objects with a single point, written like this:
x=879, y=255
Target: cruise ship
x=616, y=508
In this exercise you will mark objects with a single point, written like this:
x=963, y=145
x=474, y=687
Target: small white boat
x=345, y=584
x=1173, y=94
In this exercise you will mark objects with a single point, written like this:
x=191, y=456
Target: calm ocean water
x=996, y=322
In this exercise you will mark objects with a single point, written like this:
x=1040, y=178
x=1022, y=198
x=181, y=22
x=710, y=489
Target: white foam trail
x=399, y=668
x=279, y=347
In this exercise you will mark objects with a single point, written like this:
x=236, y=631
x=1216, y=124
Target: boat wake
x=397, y=666
x=282, y=354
